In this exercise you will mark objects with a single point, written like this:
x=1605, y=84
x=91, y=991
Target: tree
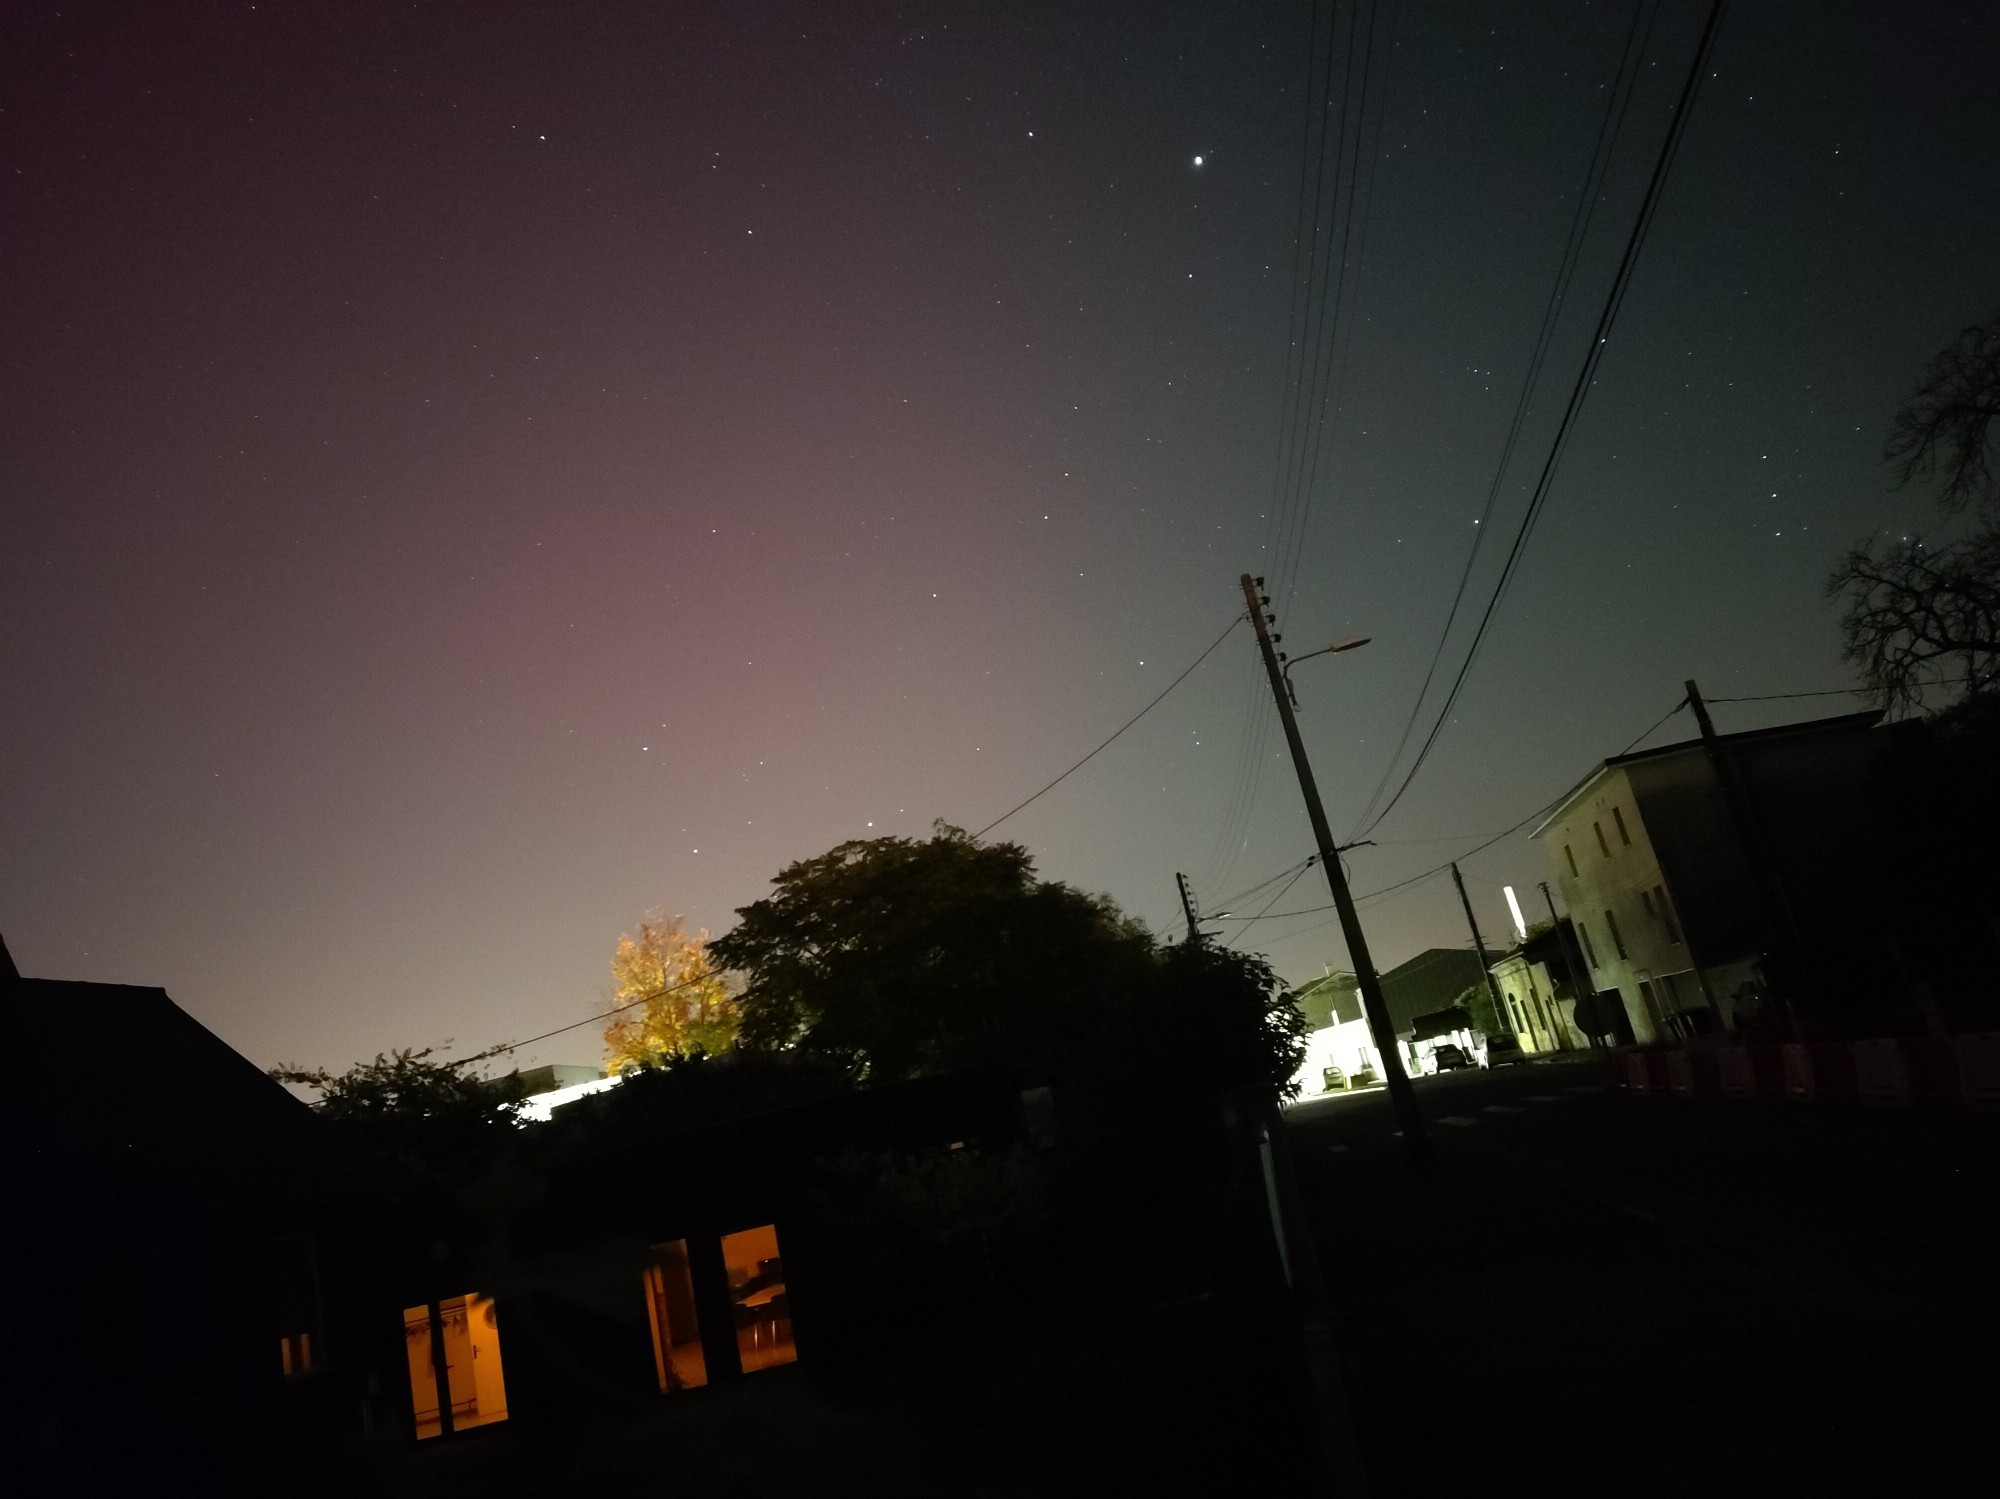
x=670, y=999
x=1477, y=1003
x=406, y=1108
x=1322, y=1000
x=1945, y=430
x=1917, y=612
x=905, y=957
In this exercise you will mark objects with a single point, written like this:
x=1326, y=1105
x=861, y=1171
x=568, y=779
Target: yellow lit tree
x=670, y=999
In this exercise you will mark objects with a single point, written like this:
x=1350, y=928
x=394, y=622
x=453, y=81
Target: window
x=465, y=1333
x=677, y=1355
x=1623, y=836
x=1602, y=847
x=295, y=1302
x=1646, y=900
x=1617, y=939
x=757, y=1292
x=1570, y=859
x=1667, y=915
x=295, y=1349
x=1589, y=948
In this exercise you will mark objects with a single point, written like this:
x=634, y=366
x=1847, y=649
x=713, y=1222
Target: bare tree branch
x=1945, y=430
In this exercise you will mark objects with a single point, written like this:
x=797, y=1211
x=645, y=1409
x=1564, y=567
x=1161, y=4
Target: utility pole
x=1479, y=946
x=1575, y=988
x=1402, y=1097
x=1187, y=905
x=1777, y=909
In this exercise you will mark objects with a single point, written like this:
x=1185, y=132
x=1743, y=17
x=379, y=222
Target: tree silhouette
x=1920, y=614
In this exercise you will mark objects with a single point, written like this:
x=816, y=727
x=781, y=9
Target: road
x=1589, y=1291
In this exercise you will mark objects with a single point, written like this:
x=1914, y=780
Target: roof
x=1866, y=719
x=176, y=1101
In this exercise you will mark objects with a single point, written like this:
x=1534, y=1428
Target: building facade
x=1718, y=884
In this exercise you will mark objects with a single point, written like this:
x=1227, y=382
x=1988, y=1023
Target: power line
x=1580, y=391
x=1332, y=302
x=1282, y=891
x=1479, y=847
x=1115, y=733
x=1609, y=127
x=496, y=1051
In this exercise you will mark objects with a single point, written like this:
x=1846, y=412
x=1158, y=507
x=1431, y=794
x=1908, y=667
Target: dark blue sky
x=476, y=472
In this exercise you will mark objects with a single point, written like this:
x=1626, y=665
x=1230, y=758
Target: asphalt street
x=1590, y=1291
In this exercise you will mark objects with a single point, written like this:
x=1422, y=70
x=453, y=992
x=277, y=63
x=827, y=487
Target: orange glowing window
x=757, y=1293
x=293, y=1288
x=677, y=1356
x=295, y=1351
x=462, y=1333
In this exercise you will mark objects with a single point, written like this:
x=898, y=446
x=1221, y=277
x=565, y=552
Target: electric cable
x=1115, y=732
x=1585, y=381
x=1610, y=127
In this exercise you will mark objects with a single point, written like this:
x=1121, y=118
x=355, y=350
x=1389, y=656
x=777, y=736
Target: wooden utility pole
x=1402, y=1097
x=1763, y=874
x=1479, y=946
x=1187, y=905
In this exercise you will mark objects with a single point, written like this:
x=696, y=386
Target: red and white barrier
x=1978, y=1058
x=1882, y=1074
x=1737, y=1071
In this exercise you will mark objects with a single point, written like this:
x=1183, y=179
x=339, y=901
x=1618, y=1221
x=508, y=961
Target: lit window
x=295, y=1350
x=1617, y=939
x=469, y=1333
x=294, y=1289
x=1623, y=836
x=757, y=1291
x=677, y=1355
x=1602, y=847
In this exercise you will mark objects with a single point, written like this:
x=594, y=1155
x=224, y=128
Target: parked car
x=1333, y=1080
x=1449, y=1058
x=1501, y=1050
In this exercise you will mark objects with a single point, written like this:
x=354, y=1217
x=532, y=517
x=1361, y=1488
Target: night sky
x=474, y=473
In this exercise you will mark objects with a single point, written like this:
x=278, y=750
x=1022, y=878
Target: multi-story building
x=1711, y=883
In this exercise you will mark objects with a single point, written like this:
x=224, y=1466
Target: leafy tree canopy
x=1477, y=1003
x=406, y=1107
x=670, y=999
x=912, y=956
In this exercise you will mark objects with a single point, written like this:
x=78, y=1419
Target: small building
x=1537, y=983
x=165, y=1306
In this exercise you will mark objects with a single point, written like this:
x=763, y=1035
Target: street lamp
x=1347, y=643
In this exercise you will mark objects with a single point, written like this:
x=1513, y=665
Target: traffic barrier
x=1882, y=1074
x=1833, y=1069
x=1800, y=1084
x=1636, y=1075
x=1933, y=1070
x=1737, y=1072
x=1979, y=1070
x=1680, y=1074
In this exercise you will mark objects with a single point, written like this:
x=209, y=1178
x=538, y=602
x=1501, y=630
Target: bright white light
x=1197, y=161
x=1514, y=906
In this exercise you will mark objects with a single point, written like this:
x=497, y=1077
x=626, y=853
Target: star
x=1197, y=161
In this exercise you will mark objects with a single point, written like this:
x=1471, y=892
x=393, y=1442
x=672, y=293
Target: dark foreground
x=1594, y=1292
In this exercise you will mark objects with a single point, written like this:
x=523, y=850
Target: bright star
x=1197, y=161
